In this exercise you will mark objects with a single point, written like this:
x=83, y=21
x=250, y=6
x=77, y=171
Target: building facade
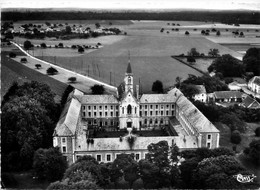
x=254, y=84
x=86, y=118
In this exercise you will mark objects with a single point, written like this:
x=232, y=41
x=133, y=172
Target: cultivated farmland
x=150, y=51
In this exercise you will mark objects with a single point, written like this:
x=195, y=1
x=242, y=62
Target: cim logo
x=245, y=178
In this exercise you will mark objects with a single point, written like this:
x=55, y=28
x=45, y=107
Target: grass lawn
x=247, y=137
x=24, y=180
x=14, y=71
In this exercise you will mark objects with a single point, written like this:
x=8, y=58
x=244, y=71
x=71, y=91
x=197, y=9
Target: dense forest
x=229, y=17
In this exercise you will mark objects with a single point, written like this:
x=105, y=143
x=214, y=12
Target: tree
x=51, y=71
x=97, y=89
x=158, y=155
x=24, y=130
x=227, y=65
x=191, y=59
x=148, y=173
x=60, y=45
x=218, y=33
x=202, y=32
x=68, y=30
x=253, y=152
x=235, y=137
x=189, y=90
x=210, y=171
x=157, y=86
x=251, y=61
x=27, y=129
x=38, y=66
x=193, y=52
x=49, y=164
x=85, y=165
x=187, y=33
x=43, y=45
x=72, y=79
x=178, y=82
x=257, y=132
x=12, y=55
x=97, y=25
x=213, y=52
x=85, y=181
x=23, y=60
x=81, y=49
x=27, y=45
x=186, y=169
x=128, y=167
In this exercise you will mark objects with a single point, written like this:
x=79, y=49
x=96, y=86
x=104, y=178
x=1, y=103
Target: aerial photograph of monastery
x=151, y=94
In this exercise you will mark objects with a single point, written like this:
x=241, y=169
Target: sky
x=135, y=4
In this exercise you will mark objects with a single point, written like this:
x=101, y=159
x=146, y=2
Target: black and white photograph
x=130, y=94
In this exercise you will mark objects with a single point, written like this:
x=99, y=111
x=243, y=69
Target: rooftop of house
x=255, y=80
x=250, y=102
x=194, y=116
x=67, y=123
x=98, y=99
x=228, y=94
x=157, y=98
x=201, y=89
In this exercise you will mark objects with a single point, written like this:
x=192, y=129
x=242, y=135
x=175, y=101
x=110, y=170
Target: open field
x=14, y=71
x=150, y=50
x=247, y=137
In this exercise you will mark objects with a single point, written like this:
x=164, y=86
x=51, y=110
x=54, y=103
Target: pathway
x=83, y=82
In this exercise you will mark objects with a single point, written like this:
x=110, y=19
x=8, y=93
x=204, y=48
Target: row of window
x=142, y=113
x=106, y=114
x=106, y=123
x=157, y=113
x=151, y=106
x=108, y=157
x=101, y=107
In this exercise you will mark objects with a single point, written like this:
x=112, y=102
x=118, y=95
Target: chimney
x=137, y=92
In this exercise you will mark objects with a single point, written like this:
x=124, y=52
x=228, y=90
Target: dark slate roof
x=228, y=94
x=129, y=69
x=250, y=102
x=99, y=99
x=67, y=123
x=194, y=116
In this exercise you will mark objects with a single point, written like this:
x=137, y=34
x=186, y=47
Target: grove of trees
x=29, y=113
x=97, y=89
x=228, y=66
x=162, y=168
x=157, y=86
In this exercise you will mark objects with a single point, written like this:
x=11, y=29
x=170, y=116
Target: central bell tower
x=129, y=82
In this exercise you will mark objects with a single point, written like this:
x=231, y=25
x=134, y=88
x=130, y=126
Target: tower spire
x=129, y=69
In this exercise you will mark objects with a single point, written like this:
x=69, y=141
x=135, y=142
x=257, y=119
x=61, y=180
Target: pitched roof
x=157, y=98
x=194, y=116
x=99, y=99
x=228, y=94
x=256, y=80
x=200, y=88
x=141, y=143
x=250, y=102
x=67, y=123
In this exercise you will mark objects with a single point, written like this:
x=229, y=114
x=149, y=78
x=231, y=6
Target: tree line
x=164, y=167
x=229, y=17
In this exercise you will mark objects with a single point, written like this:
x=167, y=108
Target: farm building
x=104, y=126
x=254, y=84
x=235, y=86
x=250, y=103
x=201, y=95
x=228, y=96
